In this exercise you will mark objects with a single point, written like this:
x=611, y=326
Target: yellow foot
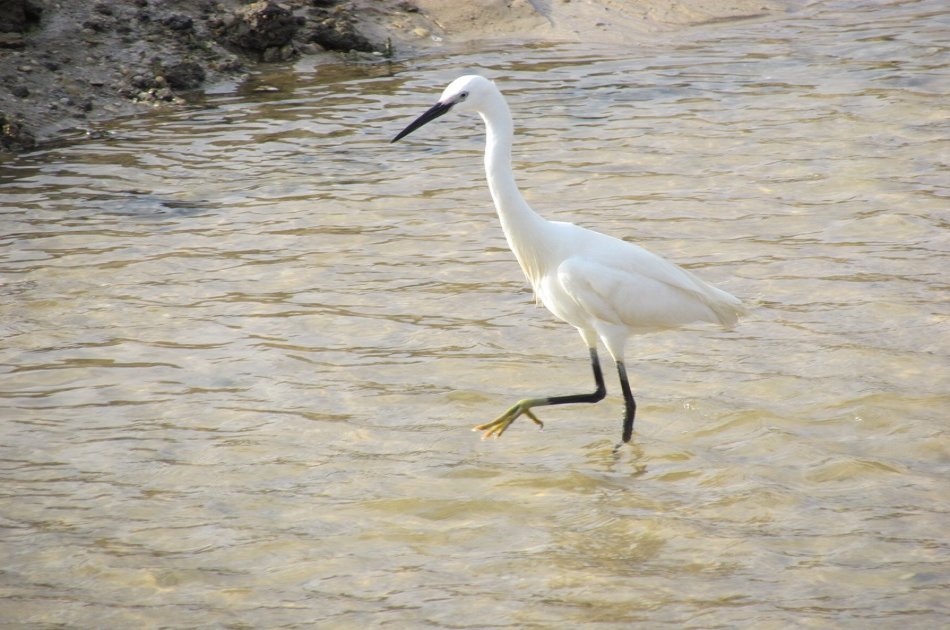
x=498, y=426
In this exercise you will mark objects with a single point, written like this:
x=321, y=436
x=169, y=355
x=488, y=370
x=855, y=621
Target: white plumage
x=605, y=287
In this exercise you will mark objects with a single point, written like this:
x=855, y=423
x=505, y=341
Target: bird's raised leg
x=523, y=407
x=630, y=405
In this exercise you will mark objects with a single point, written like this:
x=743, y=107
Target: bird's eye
x=463, y=96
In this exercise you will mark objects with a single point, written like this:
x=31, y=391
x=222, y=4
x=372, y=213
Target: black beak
x=431, y=114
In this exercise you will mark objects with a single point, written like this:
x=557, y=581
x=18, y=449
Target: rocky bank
x=68, y=64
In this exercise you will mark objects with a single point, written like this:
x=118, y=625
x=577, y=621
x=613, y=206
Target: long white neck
x=523, y=227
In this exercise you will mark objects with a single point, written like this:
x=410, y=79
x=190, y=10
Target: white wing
x=620, y=283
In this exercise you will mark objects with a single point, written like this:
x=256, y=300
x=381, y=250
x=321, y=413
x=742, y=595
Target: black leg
x=523, y=407
x=630, y=405
x=597, y=396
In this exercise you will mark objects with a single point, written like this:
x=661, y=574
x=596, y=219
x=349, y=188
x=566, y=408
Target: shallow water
x=243, y=345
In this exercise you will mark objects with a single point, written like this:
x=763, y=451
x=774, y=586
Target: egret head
x=467, y=93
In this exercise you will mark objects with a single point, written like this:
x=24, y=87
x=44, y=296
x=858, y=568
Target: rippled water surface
x=243, y=345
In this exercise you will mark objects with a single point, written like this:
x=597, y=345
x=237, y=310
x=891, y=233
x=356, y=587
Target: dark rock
x=21, y=91
x=180, y=23
x=97, y=26
x=229, y=64
x=140, y=82
x=338, y=33
x=259, y=26
x=186, y=75
x=18, y=16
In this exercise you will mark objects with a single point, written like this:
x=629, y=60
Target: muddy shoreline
x=70, y=64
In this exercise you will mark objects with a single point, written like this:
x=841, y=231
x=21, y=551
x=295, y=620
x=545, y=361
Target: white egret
x=607, y=288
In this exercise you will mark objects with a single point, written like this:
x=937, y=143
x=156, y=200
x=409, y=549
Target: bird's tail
x=726, y=307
